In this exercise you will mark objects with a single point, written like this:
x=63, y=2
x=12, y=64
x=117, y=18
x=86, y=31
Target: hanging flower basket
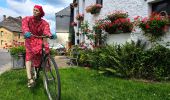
x=74, y=4
x=94, y=8
x=80, y=17
x=73, y=24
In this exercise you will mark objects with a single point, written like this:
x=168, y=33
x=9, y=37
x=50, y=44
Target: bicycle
x=51, y=77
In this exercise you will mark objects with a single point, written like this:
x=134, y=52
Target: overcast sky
x=24, y=8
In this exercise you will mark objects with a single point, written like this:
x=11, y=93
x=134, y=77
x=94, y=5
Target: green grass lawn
x=83, y=84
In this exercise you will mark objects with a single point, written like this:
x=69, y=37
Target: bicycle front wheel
x=51, y=79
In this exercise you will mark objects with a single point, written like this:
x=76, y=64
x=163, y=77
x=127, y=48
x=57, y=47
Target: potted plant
x=15, y=51
x=116, y=22
x=154, y=26
x=123, y=25
x=18, y=56
x=75, y=4
x=94, y=8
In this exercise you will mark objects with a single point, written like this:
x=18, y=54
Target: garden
x=134, y=59
x=119, y=71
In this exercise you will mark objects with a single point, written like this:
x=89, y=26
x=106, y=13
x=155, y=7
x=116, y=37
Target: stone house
x=134, y=8
x=10, y=32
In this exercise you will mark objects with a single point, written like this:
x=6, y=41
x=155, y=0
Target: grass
x=83, y=84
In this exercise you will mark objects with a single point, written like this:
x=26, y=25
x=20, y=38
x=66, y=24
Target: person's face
x=36, y=12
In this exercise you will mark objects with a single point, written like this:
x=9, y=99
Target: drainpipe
x=78, y=24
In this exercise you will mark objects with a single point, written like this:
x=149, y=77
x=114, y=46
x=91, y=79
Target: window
x=2, y=33
x=99, y=2
x=2, y=42
x=161, y=6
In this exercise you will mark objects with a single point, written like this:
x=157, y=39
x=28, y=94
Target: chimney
x=4, y=17
x=19, y=17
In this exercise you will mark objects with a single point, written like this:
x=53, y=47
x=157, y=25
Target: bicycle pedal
x=51, y=79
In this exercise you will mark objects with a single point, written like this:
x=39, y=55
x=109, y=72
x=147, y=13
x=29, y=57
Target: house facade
x=10, y=32
x=134, y=8
x=62, y=19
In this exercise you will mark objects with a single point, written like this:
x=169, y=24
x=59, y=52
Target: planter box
x=18, y=62
x=119, y=38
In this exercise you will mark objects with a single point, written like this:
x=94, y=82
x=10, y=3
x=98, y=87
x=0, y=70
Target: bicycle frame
x=44, y=59
x=44, y=55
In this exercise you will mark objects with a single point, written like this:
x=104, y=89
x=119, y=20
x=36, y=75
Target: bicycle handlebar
x=42, y=36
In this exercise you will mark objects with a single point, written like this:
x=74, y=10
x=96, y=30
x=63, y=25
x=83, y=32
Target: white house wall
x=133, y=7
x=62, y=38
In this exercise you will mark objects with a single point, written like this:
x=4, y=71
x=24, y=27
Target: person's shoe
x=31, y=83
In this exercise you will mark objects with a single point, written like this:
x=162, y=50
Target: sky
x=24, y=8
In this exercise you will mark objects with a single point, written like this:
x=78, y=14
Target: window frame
x=99, y=2
x=155, y=4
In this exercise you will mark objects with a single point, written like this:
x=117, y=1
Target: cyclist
x=37, y=26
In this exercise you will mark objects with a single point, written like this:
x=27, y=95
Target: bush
x=131, y=60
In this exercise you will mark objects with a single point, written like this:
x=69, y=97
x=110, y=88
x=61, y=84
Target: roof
x=65, y=11
x=12, y=24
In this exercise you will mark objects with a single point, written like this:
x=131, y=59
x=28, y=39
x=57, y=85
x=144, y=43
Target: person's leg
x=29, y=73
x=28, y=69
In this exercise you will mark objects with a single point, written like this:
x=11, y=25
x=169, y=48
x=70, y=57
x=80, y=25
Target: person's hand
x=53, y=36
x=27, y=35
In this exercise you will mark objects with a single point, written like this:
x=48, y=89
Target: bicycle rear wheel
x=51, y=79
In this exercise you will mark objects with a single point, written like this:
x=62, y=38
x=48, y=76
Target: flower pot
x=18, y=62
x=95, y=11
x=120, y=38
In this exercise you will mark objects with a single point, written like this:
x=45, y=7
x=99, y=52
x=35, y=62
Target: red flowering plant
x=85, y=28
x=123, y=25
x=94, y=8
x=154, y=26
x=108, y=26
x=116, y=15
x=120, y=25
x=80, y=17
x=74, y=24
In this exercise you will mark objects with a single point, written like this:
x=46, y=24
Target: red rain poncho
x=33, y=44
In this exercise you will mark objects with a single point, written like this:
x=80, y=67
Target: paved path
x=4, y=63
x=61, y=62
x=5, y=67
